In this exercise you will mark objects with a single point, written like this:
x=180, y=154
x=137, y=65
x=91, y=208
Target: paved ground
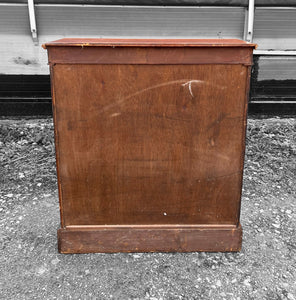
x=31, y=267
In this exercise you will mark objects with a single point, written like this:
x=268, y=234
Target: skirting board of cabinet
x=149, y=238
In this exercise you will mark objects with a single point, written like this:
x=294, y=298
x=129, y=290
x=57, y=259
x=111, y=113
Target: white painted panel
x=275, y=28
x=183, y=22
x=19, y=55
x=277, y=68
x=14, y=19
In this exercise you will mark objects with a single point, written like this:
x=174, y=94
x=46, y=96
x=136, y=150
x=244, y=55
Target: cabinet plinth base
x=149, y=238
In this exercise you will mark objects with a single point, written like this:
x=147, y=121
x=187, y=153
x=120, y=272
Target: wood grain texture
x=149, y=55
x=150, y=239
x=150, y=144
x=149, y=151
x=175, y=43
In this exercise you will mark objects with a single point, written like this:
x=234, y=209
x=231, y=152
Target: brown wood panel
x=150, y=141
x=157, y=238
x=150, y=55
x=150, y=144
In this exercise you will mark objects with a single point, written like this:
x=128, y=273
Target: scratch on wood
x=189, y=83
x=115, y=115
x=184, y=81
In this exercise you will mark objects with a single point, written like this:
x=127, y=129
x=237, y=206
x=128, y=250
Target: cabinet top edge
x=84, y=42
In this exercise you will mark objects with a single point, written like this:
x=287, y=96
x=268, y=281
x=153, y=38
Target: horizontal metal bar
x=275, y=52
x=135, y=6
x=24, y=99
x=273, y=101
x=275, y=7
x=13, y=4
x=140, y=6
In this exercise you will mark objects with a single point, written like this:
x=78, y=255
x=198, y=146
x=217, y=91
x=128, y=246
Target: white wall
x=19, y=55
x=274, y=29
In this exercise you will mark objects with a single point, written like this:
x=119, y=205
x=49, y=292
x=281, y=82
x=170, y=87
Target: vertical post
x=251, y=11
x=32, y=18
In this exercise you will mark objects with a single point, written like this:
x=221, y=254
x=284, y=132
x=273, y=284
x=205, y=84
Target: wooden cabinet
x=150, y=138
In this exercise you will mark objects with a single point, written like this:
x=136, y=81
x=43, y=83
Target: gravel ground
x=31, y=267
